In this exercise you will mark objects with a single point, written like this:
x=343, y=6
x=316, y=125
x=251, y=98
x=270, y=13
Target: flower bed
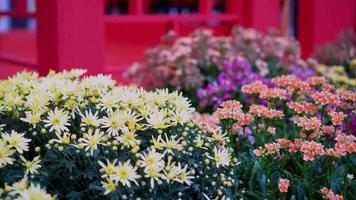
x=210, y=69
x=299, y=144
x=339, y=60
x=86, y=138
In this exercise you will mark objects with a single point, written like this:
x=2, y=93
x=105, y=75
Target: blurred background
x=108, y=36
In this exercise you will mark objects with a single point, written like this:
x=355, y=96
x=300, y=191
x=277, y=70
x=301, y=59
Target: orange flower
x=311, y=149
x=234, y=105
x=285, y=80
x=271, y=130
x=325, y=97
x=337, y=117
x=258, y=152
x=308, y=123
x=263, y=111
x=348, y=95
x=254, y=88
x=283, y=185
x=274, y=93
x=302, y=106
x=320, y=81
x=329, y=194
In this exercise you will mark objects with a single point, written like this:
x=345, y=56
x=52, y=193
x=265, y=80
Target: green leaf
x=74, y=195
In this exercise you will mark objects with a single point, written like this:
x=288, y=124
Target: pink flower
x=258, y=152
x=325, y=97
x=311, y=149
x=271, y=130
x=273, y=93
x=263, y=111
x=302, y=106
x=283, y=185
x=234, y=105
x=348, y=95
x=308, y=123
x=254, y=88
x=329, y=194
x=337, y=117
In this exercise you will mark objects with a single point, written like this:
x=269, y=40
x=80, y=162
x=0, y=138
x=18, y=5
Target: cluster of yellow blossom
x=338, y=75
x=107, y=140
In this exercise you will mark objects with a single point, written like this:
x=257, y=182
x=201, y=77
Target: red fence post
x=70, y=35
x=206, y=7
x=136, y=7
x=320, y=21
x=20, y=6
x=260, y=14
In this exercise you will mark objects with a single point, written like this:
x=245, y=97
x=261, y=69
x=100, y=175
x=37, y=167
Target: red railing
x=65, y=39
x=19, y=11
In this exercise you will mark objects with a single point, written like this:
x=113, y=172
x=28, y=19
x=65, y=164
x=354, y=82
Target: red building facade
x=78, y=34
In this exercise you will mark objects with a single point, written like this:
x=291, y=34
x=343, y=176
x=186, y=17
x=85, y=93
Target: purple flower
x=234, y=74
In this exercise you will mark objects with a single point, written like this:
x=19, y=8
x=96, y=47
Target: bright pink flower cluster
x=283, y=185
x=254, y=88
x=291, y=83
x=344, y=144
x=309, y=123
x=329, y=194
x=273, y=93
x=275, y=147
x=263, y=111
x=319, y=81
x=325, y=98
x=337, y=117
x=208, y=123
x=302, y=106
x=232, y=110
x=311, y=149
x=348, y=95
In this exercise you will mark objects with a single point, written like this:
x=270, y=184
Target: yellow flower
x=91, y=141
x=218, y=136
x=107, y=169
x=181, y=117
x=152, y=159
x=221, y=157
x=185, y=176
x=34, y=192
x=109, y=101
x=154, y=174
x=338, y=69
x=31, y=166
x=32, y=118
x=17, y=141
x=128, y=138
x=37, y=101
x=113, y=122
x=199, y=142
x=63, y=138
x=109, y=186
x=21, y=185
x=170, y=144
x=156, y=120
x=57, y=120
x=157, y=144
x=125, y=174
x=182, y=103
x=5, y=153
x=172, y=173
x=89, y=119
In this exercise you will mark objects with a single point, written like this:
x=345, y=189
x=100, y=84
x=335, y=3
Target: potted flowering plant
x=210, y=69
x=298, y=144
x=342, y=52
x=88, y=139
